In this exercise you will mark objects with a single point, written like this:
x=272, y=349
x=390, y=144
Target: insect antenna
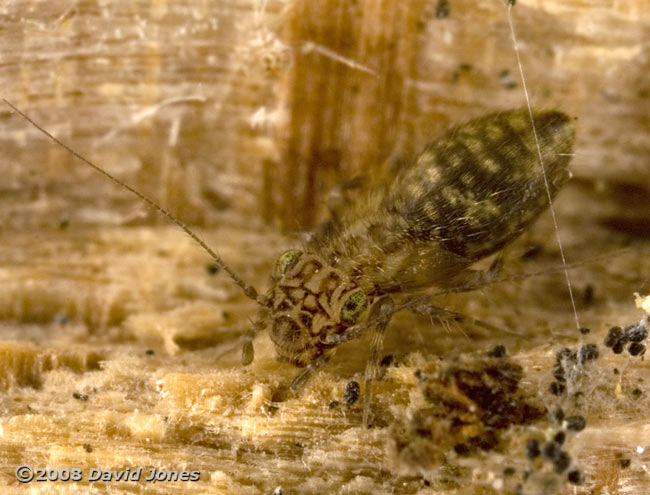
x=248, y=290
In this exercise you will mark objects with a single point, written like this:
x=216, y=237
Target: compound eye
x=286, y=262
x=353, y=307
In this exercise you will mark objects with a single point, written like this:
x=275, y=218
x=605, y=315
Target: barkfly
x=419, y=225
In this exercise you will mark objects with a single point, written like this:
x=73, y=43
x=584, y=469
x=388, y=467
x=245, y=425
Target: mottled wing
x=479, y=186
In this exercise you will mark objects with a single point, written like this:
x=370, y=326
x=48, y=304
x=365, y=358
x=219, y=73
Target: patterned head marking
x=311, y=303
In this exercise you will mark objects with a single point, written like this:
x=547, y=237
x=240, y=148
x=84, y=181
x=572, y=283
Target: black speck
x=618, y=347
x=588, y=352
x=486, y=441
x=87, y=447
x=498, y=351
x=624, y=463
x=636, y=393
x=557, y=389
x=462, y=449
x=334, y=404
x=506, y=79
x=561, y=461
x=78, y=396
x=576, y=423
x=509, y=471
x=551, y=450
x=637, y=333
x=576, y=477
x=558, y=372
x=352, y=391
x=585, y=330
x=559, y=437
x=558, y=414
x=616, y=372
x=443, y=8
x=212, y=268
x=149, y=352
x=613, y=336
x=566, y=354
x=636, y=349
x=387, y=360
x=532, y=448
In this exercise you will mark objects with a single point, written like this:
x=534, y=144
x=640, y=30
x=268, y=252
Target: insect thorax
x=312, y=303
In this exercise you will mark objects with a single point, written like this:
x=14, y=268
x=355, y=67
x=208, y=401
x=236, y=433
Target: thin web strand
x=541, y=163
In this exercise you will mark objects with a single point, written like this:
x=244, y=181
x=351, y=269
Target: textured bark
x=119, y=348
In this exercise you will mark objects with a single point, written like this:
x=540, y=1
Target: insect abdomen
x=479, y=186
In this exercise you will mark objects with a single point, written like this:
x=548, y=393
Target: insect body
x=466, y=196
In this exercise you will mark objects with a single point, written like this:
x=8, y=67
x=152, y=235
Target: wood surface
x=120, y=348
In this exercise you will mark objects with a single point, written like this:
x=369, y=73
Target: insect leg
x=385, y=310
x=470, y=280
x=422, y=306
x=248, y=352
x=284, y=392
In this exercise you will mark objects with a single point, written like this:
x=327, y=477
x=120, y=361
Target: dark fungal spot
x=149, y=352
x=575, y=477
x=87, y=447
x=462, y=449
x=558, y=372
x=561, y=461
x=498, y=351
x=576, y=423
x=636, y=349
x=334, y=404
x=486, y=441
x=614, y=335
x=557, y=389
x=387, y=360
x=81, y=397
x=559, y=437
x=551, y=450
x=624, y=463
x=588, y=295
x=507, y=80
x=588, y=352
x=618, y=347
x=509, y=471
x=443, y=8
x=557, y=414
x=212, y=268
x=565, y=354
x=636, y=333
x=532, y=448
x=584, y=330
x=352, y=391
x=636, y=393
